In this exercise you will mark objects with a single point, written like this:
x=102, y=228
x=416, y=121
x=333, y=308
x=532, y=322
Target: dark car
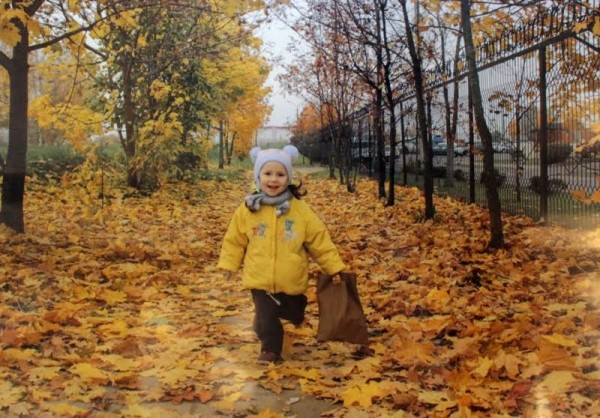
x=441, y=148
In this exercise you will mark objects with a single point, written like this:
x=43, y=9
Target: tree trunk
x=489, y=175
x=379, y=108
x=389, y=91
x=13, y=184
x=421, y=116
x=392, y=169
x=221, y=145
x=380, y=143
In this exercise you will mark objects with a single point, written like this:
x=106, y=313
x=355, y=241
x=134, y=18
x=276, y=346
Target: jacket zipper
x=274, y=249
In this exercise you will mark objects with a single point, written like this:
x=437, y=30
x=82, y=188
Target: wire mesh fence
x=540, y=102
x=541, y=96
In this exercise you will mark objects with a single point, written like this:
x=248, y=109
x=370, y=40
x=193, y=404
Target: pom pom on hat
x=283, y=156
x=292, y=151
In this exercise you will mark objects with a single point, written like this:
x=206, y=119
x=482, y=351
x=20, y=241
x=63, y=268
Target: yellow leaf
x=34, y=27
x=117, y=328
x=581, y=196
x=437, y=298
x=560, y=340
x=121, y=363
x=45, y=373
x=362, y=395
x=74, y=5
x=111, y=296
x=558, y=381
x=267, y=413
x=66, y=409
x=511, y=364
x=433, y=397
x=20, y=409
x=580, y=26
x=554, y=357
x=9, y=395
x=595, y=197
x=596, y=28
x=176, y=375
x=570, y=308
x=312, y=374
x=484, y=366
x=407, y=351
x=227, y=403
x=88, y=372
x=183, y=290
x=16, y=354
x=10, y=36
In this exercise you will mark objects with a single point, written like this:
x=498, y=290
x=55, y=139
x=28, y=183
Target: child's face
x=273, y=178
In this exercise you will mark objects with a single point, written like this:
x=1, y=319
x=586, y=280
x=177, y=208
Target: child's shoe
x=266, y=357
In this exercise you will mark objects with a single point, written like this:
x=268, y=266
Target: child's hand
x=339, y=276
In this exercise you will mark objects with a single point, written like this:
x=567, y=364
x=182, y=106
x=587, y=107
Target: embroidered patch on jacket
x=259, y=230
x=289, y=231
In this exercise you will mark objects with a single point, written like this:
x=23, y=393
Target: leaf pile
x=121, y=312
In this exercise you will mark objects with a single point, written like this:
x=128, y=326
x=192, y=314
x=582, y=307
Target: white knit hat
x=285, y=156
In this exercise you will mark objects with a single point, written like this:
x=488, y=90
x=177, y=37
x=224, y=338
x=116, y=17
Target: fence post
x=543, y=136
x=402, y=127
x=471, y=149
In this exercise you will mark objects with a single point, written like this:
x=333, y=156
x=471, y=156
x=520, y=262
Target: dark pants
x=267, y=312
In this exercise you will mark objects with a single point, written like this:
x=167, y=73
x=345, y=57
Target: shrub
x=459, y=175
x=554, y=185
x=439, y=171
x=499, y=177
x=558, y=153
x=187, y=161
x=52, y=161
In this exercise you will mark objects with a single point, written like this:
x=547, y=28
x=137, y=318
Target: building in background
x=273, y=136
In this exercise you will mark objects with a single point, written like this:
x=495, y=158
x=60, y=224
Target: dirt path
x=242, y=388
x=122, y=313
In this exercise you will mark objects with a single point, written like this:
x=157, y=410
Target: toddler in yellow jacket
x=272, y=234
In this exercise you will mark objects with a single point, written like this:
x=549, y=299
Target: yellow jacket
x=274, y=250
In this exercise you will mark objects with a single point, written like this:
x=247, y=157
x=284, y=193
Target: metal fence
x=541, y=96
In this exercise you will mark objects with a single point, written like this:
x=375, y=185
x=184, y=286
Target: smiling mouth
x=273, y=188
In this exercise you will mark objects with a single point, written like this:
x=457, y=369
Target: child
x=272, y=233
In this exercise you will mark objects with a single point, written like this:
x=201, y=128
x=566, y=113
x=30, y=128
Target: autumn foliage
x=121, y=312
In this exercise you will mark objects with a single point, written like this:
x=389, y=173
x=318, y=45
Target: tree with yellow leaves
x=238, y=79
x=27, y=26
x=159, y=85
x=63, y=96
x=151, y=51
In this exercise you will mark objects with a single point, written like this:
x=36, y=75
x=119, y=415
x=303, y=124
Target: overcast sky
x=285, y=107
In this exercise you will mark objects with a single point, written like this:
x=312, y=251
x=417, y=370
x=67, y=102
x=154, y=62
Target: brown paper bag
x=341, y=317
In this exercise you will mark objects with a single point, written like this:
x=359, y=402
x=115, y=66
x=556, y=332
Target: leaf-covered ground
x=119, y=311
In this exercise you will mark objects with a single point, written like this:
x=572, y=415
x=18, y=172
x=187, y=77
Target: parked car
x=500, y=147
x=410, y=147
x=496, y=146
x=460, y=149
x=441, y=148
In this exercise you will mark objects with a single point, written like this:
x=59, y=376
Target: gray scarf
x=281, y=202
